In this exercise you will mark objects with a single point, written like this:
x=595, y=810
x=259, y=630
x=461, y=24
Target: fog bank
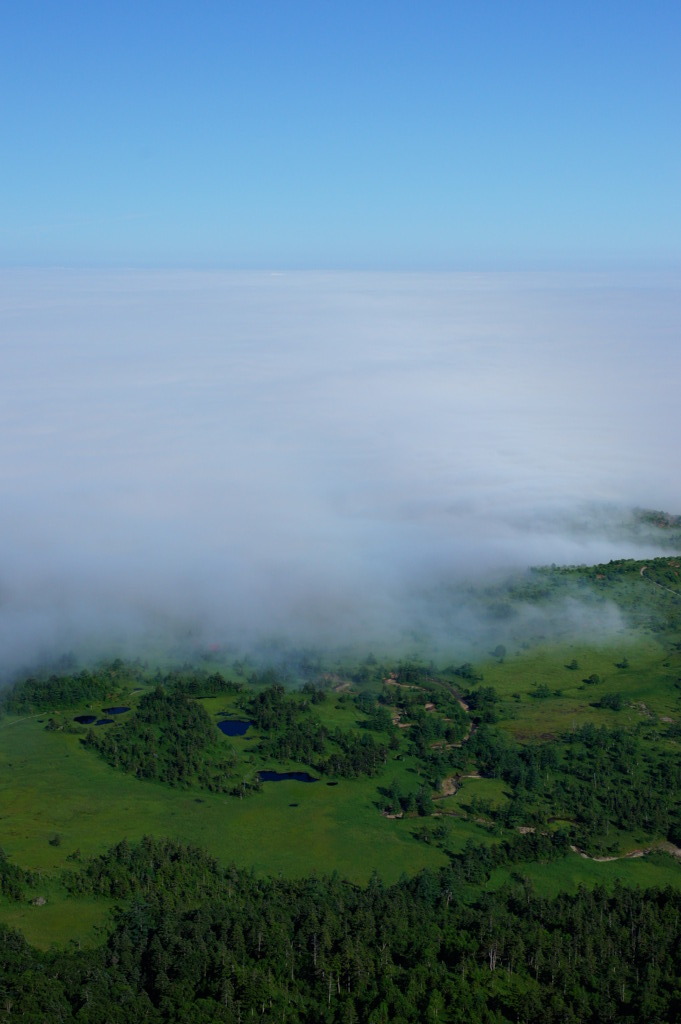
x=227, y=456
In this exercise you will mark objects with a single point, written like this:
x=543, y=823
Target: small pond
x=114, y=711
x=233, y=727
x=104, y=721
x=286, y=777
x=85, y=719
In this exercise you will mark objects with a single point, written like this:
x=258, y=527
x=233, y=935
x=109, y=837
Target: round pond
x=233, y=727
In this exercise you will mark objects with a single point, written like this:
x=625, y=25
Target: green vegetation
x=297, y=734
x=501, y=803
x=13, y=879
x=215, y=944
x=169, y=738
x=69, y=689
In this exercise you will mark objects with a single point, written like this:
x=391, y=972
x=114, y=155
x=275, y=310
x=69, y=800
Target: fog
x=222, y=458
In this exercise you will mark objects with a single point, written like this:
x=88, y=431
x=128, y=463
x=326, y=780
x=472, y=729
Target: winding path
x=26, y=717
x=669, y=590
x=675, y=851
x=450, y=785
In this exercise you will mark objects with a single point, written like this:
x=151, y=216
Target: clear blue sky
x=317, y=133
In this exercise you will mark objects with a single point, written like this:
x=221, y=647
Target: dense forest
x=193, y=942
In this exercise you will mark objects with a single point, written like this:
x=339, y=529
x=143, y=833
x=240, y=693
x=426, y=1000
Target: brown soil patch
x=448, y=787
x=339, y=682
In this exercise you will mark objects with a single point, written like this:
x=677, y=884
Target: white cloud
x=249, y=452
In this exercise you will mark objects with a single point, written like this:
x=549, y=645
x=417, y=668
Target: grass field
x=60, y=921
x=650, y=686
x=568, y=874
x=289, y=827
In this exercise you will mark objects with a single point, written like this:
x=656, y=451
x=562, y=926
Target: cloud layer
x=224, y=456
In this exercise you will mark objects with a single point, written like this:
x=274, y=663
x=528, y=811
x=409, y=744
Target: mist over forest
x=218, y=458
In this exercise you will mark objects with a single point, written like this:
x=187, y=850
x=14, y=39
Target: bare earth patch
x=448, y=787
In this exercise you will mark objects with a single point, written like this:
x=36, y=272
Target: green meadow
x=289, y=827
x=649, y=686
x=52, y=787
x=62, y=920
x=568, y=874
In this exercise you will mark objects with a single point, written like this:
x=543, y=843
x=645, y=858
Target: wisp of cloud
x=223, y=457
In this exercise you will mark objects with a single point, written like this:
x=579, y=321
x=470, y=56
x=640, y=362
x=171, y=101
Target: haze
x=231, y=456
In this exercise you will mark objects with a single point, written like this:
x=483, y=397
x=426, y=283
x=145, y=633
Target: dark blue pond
x=104, y=721
x=114, y=711
x=85, y=719
x=286, y=777
x=232, y=727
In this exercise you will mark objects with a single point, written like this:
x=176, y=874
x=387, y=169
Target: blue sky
x=360, y=135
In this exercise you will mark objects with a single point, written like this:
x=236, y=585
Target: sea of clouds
x=223, y=457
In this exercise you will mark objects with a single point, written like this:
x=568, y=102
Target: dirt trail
x=675, y=851
x=471, y=724
x=674, y=593
x=450, y=785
